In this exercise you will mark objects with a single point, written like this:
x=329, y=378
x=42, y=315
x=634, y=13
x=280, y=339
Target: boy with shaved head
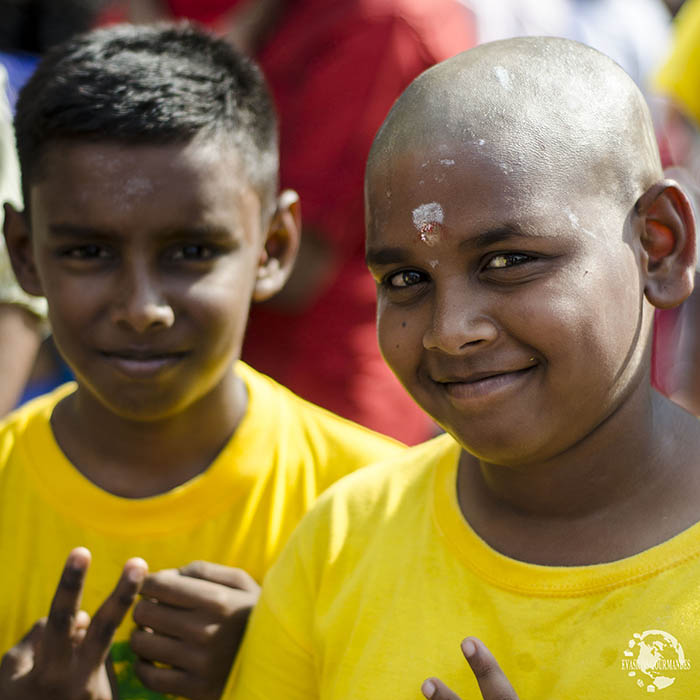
x=521, y=233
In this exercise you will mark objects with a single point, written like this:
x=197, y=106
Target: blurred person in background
x=677, y=341
x=335, y=69
x=674, y=6
x=27, y=29
x=634, y=33
x=21, y=316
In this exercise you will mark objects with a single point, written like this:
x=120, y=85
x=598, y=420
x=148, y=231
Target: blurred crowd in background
x=335, y=67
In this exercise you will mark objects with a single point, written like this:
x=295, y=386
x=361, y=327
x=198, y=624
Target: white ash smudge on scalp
x=503, y=77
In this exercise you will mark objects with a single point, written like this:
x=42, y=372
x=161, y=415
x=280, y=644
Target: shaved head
x=539, y=106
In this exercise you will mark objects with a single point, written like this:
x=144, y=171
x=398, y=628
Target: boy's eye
x=506, y=260
x=405, y=278
x=89, y=251
x=193, y=251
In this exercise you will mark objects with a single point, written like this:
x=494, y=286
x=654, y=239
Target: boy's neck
x=629, y=485
x=134, y=459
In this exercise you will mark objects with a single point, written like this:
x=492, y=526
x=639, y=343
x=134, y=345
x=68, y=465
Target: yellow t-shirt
x=239, y=512
x=680, y=75
x=384, y=578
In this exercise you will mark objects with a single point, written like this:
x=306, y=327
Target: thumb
x=19, y=660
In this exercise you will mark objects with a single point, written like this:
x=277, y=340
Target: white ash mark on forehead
x=433, y=263
x=426, y=218
x=136, y=185
x=503, y=77
x=447, y=162
x=430, y=213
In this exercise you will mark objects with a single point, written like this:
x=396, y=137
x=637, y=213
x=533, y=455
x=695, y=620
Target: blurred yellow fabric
x=679, y=78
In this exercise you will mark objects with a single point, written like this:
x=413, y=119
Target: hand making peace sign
x=492, y=681
x=63, y=656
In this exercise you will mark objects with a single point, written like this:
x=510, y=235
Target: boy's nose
x=456, y=328
x=140, y=303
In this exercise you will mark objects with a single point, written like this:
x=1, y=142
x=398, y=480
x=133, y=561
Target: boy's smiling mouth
x=142, y=363
x=479, y=385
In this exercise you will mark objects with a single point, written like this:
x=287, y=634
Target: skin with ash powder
x=503, y=76
x=425, y=218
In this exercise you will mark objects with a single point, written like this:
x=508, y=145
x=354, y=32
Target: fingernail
x=137, y=570
x=428, y=689
x=81, y=555
x=468, y=648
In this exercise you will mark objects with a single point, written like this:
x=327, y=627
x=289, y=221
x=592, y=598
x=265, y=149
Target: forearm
x=20, y=338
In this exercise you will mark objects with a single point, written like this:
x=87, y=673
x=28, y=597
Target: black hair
x=158, y=84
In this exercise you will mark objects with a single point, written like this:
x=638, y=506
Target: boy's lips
x=481, y=385
x=142, y=363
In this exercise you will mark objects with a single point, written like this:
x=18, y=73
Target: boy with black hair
x=152, y=218
x=520, y=232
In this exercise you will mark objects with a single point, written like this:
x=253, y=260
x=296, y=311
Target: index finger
x=56, y=645
x=219, y=573
x=492, y=681
x=171, y=588
x=98, y=639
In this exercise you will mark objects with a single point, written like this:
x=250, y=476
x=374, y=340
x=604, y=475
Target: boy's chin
x=151, y=409
x=516, y=448
x=137, y=404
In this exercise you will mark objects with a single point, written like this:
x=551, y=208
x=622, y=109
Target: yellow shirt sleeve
x=679, y=77
x=276, y=662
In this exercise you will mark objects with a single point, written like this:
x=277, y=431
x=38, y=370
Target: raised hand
x=63, y=656
x=492, y=681
x=192, y=620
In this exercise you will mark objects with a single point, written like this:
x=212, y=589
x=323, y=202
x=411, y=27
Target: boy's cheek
x=399, y=339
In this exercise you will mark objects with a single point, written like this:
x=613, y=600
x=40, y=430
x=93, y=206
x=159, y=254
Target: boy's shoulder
x=30, y=425
x=391, y=490
x=33, y=414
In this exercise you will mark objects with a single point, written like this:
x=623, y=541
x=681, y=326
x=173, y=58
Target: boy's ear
x=667, y=225
x=19, y=248
x=281, y=247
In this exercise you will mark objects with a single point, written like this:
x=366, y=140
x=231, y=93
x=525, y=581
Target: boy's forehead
x=77, y=170
x=104, y=157
x=108, y=185
x=468, y=185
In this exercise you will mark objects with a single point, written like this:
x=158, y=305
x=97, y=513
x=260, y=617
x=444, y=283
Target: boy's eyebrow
x=390, y=256
x=76, y=230
x=73, y=230
x=497, y=235
x=385, y=256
